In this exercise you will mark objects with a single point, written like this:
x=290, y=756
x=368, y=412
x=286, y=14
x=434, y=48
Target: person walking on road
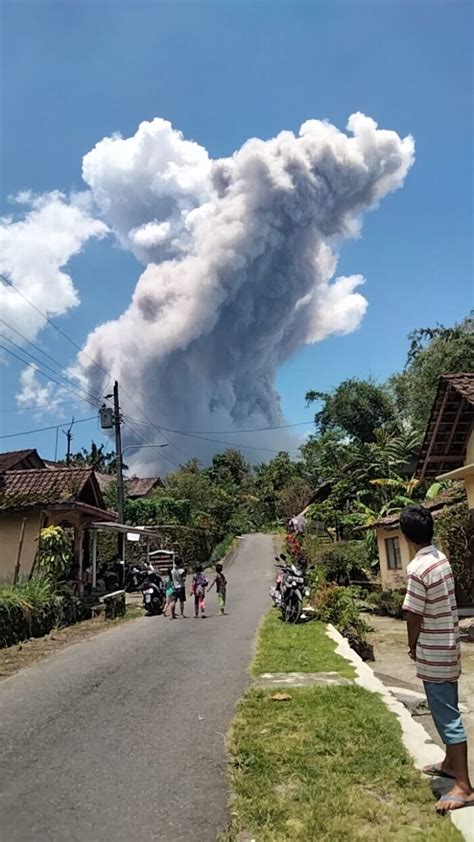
x=433, y=642
x=199, y=591
x=179, y=581
x=220, y=582
x=169, y=593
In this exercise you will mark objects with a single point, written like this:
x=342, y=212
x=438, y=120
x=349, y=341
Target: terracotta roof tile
x=11, y=458
x=463, y=382
x=141, y=486
x=20, y=489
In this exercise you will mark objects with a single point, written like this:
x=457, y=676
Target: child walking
x=220, y=582
x=199, y=591
x=170, y=598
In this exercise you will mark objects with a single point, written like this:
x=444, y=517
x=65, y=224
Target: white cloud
x=34, y=250
x=44, y=396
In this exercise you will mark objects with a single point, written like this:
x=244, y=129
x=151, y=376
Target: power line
x=218, y=441
x=232, y=432
x=53, y=324
x=36, y=408
x=35, y=359
x=47, y=376
x=142, y=440
x=43, y=429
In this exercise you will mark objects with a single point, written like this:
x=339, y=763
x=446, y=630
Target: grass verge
x=322, y=763
x=303, y=647
x=326, y=765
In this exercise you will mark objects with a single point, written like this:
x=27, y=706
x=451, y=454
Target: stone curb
x=415, y=738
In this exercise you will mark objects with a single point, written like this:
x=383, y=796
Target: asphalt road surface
x=121, y=738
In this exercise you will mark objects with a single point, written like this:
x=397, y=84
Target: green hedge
x=33, y=610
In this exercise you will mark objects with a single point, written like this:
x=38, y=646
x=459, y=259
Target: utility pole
x=68, y=434
x=119, y=464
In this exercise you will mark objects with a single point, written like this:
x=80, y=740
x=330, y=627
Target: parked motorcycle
x=289, y=592
x=154, y=597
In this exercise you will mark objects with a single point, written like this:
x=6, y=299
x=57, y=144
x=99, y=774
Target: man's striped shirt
x=430, y=593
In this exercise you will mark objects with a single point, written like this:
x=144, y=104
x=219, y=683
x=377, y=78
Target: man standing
x=433, y=642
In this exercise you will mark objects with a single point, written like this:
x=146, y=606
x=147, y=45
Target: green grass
x=296, y=648
x=327, y=765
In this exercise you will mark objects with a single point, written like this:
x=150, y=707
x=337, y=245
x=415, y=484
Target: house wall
x=394, y=579
x=10, y=528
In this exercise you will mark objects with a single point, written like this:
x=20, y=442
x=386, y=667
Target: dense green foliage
x=32, y=609
x=358, y=407
x=357, y=467
x=386, y=603
x=55, y=552
x=337, y=605
x=455, y=532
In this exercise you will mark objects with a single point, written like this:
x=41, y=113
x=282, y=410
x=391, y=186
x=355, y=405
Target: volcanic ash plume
x=241, y=255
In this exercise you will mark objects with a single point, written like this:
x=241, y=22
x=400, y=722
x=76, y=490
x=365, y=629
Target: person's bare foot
x=455, y=799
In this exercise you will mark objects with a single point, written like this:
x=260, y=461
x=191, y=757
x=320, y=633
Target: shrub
x=454, y=530
x=32, y=609
x=55, y=552
x=387, y=603
x=336, y=605
x=343, y=560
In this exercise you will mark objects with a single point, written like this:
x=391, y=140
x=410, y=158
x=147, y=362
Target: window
x=392, y=548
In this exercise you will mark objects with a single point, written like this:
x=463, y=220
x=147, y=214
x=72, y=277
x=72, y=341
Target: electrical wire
x=142, y=440
x=44, y=429
x=217, y=441
x=53, y=324
x=68, y=381
x=47, y=376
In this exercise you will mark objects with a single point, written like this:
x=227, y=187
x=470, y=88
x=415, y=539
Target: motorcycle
x=289, y=592
x=153, y=597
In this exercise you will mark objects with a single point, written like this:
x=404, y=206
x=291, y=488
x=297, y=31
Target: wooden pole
x=94, y=558
x=20, y=548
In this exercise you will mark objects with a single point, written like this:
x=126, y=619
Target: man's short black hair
x=416, y=523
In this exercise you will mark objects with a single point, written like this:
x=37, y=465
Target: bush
x=336, y=605
x=344, y=560
x=386, y=603
x=32, y=609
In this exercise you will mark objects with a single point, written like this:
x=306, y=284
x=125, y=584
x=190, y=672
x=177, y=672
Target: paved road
x=122, y=737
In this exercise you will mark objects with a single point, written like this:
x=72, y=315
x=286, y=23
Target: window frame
x=393, y=553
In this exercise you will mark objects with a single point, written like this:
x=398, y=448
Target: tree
x=229, y=466
x=292, y=499
x=433, y=352
x=358, y=407
x=96, y=457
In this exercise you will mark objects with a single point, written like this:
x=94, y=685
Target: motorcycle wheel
x=292, y=609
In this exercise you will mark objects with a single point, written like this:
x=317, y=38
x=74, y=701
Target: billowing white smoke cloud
x=33, y=252
x=241, y=256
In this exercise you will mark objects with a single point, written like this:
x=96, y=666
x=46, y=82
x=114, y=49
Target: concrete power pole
x=119, y=465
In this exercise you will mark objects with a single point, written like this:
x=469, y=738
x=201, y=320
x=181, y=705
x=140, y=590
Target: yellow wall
x=10, y=527
x=394, y=579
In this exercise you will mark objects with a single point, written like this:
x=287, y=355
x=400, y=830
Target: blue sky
x=222, y=72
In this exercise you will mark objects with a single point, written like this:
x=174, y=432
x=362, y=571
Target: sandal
x=437, y=772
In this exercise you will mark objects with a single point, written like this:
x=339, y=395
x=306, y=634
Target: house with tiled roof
x=447, y=453
x=33, y=498
x=20, y=460
x=142, y=486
